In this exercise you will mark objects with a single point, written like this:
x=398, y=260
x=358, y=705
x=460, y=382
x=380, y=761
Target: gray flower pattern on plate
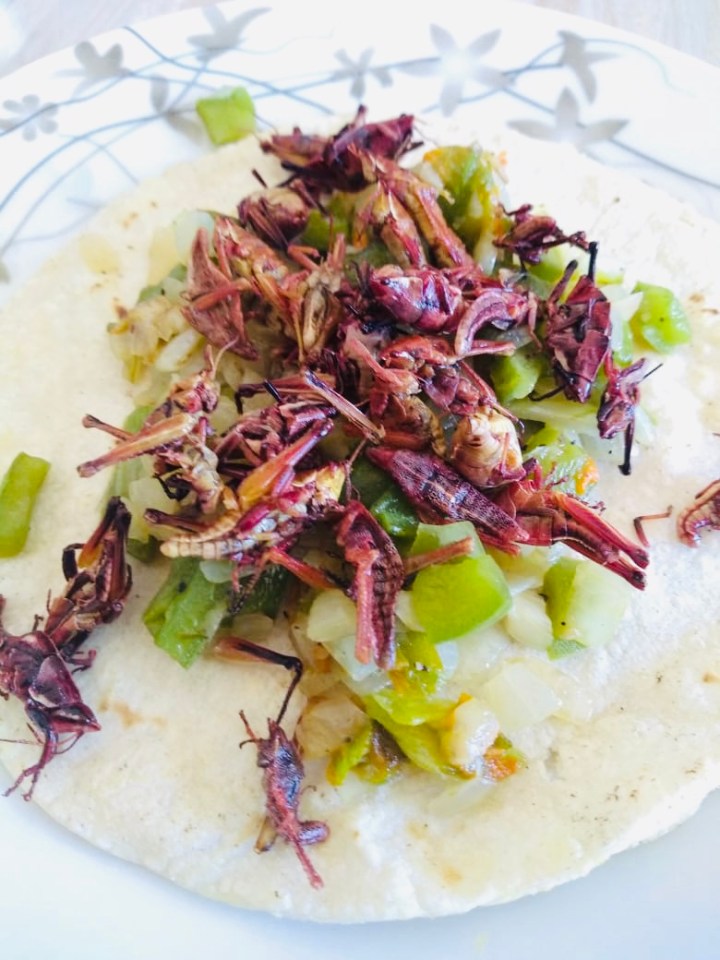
x=96, y=67
x=225, y=34
x=568, y=125
x=578, y=58
x=553, y=86
x=358, y=70
x=29, y=113
x=458, y=65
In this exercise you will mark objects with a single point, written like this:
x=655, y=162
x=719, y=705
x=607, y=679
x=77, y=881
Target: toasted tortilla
x=636, y=746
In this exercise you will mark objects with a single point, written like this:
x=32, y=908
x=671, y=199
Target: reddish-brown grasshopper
x=617, y=405
x=400, y=206
x=32, y=670
x=532, y=234
x=35, y=667
x=176, y=433
x=379, y=576
x=279, y=759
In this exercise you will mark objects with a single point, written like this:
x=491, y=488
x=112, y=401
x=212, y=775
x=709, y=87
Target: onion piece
x=519, y=697
x=177, y=351
x=474, y=730
x=528, y=622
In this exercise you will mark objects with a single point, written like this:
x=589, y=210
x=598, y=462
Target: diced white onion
x=162, y=255
x=173, y=289
x=326, y=723
x=332, y=617
x=528, y=622
x=519, y=697
x=478, y=656
x=458, y=799
x=449, y=652
x=343, y=651
x=621, y=310
x=405, y=612
x=224, y=415
x=143, y=494
x=186, y=225
x=527, y=570
x=178, y=350
x=474, y=729
x=430, y=175
x=332, y=621
x=216, y=571
x=232, y=370
x=645, y=429
x=625, y=307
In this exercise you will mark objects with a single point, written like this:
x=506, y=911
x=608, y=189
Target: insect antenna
x=259, y=177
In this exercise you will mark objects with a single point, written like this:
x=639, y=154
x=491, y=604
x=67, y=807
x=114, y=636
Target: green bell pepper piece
x=454, y=598
x=660, y=321
x=227, y=117
x=384, y=499
x=18, y=493
x=420, y=744
x=186, y=611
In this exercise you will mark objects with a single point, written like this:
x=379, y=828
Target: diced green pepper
x=372, y=754
x=558, y=590
x=419, y=665
x=322, y=226
x=469, y=177
x=622, y=344
x=395, y=514
x=374, y=253
x=369, y=481
x=421, y=744
x=563, y=648
x=228, y=116
x=18, y=493
x=514, y=377
x=432, y=536
x=143, y=550
x=410, y=707
x=660, y=322
x=317, y=232
x=545, y=275
x=349, y=755
x=559, y=412
x=564, y=462
x=269, y=592
x=419, y=651
x=186, y=611
x=384, y=499
x=585, y=603
x=452, y=599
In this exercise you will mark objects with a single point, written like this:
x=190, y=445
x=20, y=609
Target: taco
x=527, y=751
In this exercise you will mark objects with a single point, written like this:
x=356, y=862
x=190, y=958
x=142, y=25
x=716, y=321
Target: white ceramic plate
x=78, y=128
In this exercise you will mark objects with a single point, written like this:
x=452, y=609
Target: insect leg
x=233, y=646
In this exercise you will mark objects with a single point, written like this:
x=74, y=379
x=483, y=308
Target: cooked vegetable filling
x=372, y=404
